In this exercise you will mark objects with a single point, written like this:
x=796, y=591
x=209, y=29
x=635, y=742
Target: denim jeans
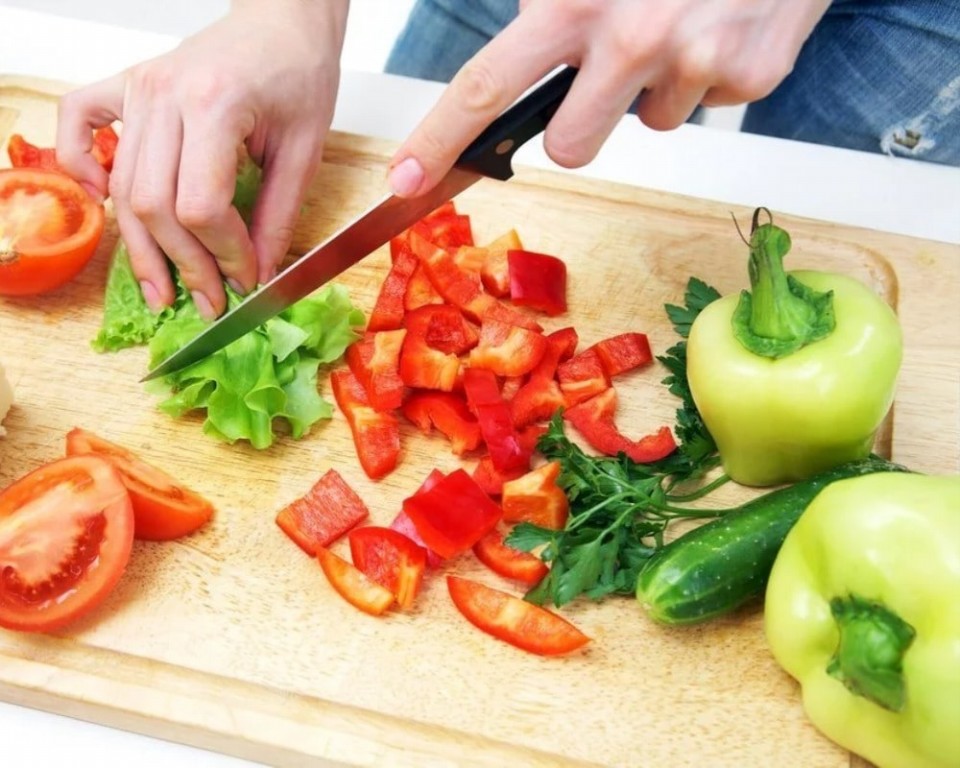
x=875, y=75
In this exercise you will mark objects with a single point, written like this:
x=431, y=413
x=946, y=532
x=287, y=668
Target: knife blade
x=488, y=156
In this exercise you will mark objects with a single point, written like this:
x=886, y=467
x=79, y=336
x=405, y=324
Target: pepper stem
x=869, y=656
x=779, y=315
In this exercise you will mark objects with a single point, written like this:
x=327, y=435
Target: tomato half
x=49, y=230
x=162, y=508
x=66, y=531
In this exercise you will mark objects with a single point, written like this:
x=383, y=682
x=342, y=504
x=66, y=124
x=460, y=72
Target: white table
x=855, y=188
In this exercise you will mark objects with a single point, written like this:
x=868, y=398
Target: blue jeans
x=875, y=75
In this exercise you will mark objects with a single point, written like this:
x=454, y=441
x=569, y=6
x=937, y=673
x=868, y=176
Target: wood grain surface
x=231, y=639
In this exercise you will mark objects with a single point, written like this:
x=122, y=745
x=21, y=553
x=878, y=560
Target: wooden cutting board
x=231, y=639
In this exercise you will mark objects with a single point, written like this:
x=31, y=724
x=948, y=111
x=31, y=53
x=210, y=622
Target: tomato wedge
x=513, y=620
x=49, y=230
x=163, y=509
x=353, y=585
x=66, y=532
x=391, y=559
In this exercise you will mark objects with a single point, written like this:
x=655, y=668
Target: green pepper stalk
x=795, y=376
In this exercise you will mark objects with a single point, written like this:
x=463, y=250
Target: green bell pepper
x=796, y=375
x=863, y=609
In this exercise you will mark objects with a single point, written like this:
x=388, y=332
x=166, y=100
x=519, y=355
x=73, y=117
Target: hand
x=679, y=53
x=264, y=76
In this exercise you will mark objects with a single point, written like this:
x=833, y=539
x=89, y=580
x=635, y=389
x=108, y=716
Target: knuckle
x=147, y=203
x=480, y=88
x=197, y=212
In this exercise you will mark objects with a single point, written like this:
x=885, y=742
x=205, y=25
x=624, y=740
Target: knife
x=489, y=155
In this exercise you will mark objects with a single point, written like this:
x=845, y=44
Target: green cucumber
x=722, y=565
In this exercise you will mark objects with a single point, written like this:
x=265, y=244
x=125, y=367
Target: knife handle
x=490, y=154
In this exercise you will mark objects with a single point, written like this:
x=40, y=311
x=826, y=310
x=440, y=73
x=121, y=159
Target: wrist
x=325, y=15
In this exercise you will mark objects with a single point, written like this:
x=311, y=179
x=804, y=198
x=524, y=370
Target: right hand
x=266, y=75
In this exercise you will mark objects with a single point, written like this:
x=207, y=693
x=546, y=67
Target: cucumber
x=722, y=565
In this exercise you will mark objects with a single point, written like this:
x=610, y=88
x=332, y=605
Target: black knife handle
x=491, y=152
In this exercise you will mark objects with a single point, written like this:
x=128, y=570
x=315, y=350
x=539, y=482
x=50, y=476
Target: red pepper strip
x=594, y=419
x=403, y=524
x=582, y=376
x=389, y=310
x=509, y=562
x=446, y=231
x=375, y=361
x=514, y=620
x=453, y=515
x=511, y=385
x=496, y=426
x=624, y=352
x=376, y=434
x=537, y=400
x=420, y=291
x=390, y=559
x=495, y=272
x=23, y=154
x=538, y=281
x=536, y=498
x=443, y=327
x=507, y=350
x=449, y=414
x=326, y=512
x=353, y=585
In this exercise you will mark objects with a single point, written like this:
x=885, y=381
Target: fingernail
x=151, y=296
x=204, y=307
x=235, y=284
x=406, y=177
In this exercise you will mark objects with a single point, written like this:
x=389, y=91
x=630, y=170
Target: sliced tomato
x=514, y=620
x=509, y=562
x=353, y=585
x=49, y=230
x=163, y=509
x=324, y=514
x=390, y=559
x=66, y=532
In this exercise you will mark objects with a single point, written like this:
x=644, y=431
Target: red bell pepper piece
x=448, y=231
x=537, y=400
x=510, y=386
x=423, y=365
x=496, y=425
x=375, y=361
x=389, y=310
x=353, y=585
x=453, y=515
x=507, y=350
x=624, y=352
x=443, y=327
x=390, y=559
x=536, y=498
x=326, y=512
x=23, y=154
x=582, y=376
x=495, y=272
x=376, y=434
x=420, y=291
x=594, y=419
x=509, y=562
x=538, y=281
x=470, y=258
x=449, y=414
x=403, y=524
x=514, y=620
x=490, y=479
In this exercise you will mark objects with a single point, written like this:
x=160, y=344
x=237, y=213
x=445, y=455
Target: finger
x=78, y=114
x=678, y=92
x=286, y=176
x=153, y=199
x=204, y=205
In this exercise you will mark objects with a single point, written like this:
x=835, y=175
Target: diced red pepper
x=449, y=414
x=376, y=434
x=446, y=231
x=496, y=270
x=507, y=350
x=422, y=365
x=453, y=515
x=403, y=524
x=324, y=514
x=353, y=585
x=486, y=308
x=23, y=154
x=594, y=419
x=496, y=425
x=509, y=562
x=375, y=361
x=624, y=352
x=443, y=327
x=389, y=310
x=538, y=281
x=536, y=498
x=511, y=385
x=490, y=479
x=420, y=291
x=449, y=208
x=530, y=436
x=582, y=376
x=390, y=559
x=470, y=258
x=536, y=400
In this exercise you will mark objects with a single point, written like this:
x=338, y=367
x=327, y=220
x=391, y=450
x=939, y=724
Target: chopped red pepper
x=23, y=154
x=582, y=376
x=453, y=515
x=375, y=361
x=536, y=400
x=448, y=231
x=470, y=258
x=538, y=281
x=447, y=412
x=509, y=562
x=443, y=327
x=353, y=585
x=490, y=479
x=536, y=498
x=420, y=291
x=389, y=310
x=376, y=434
x=326, y=512
x=507, y=350
x=422, y=365
x=403, y=524
x=496, y=424
x=594, y=419
x=624, y=352
x=495, y=272
x=510, y=386
x=390, y=559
